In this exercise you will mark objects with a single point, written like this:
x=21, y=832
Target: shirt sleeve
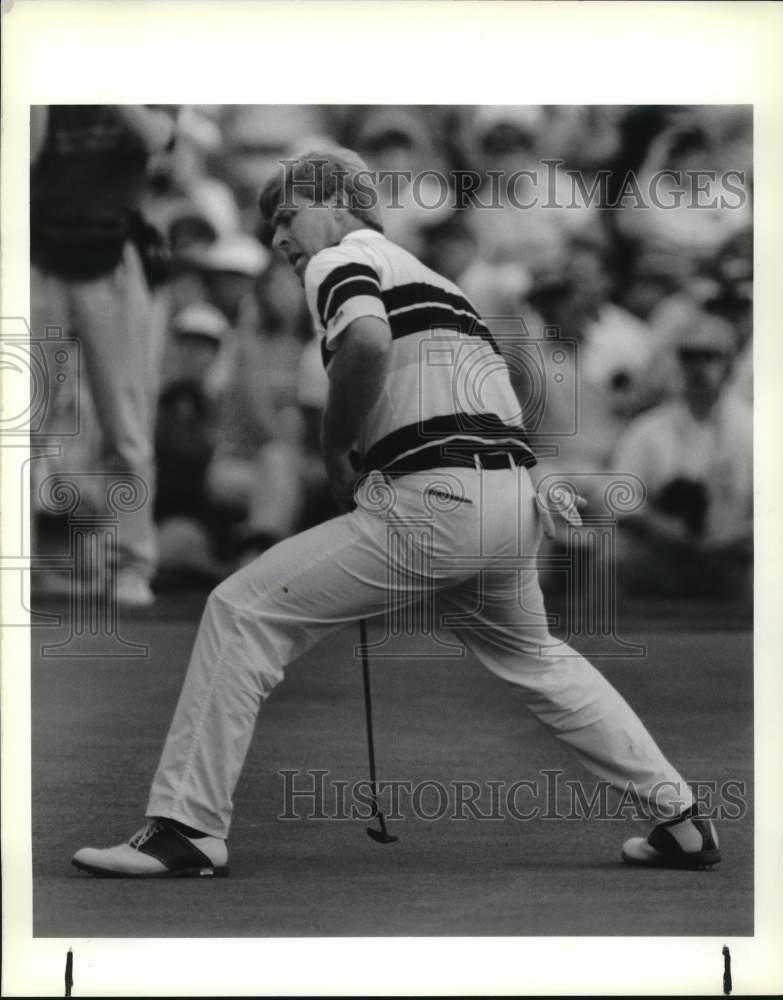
x=341, y=286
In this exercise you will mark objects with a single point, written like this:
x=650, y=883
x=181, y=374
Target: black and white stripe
x=447, y=386
x=467, y=433
x=415, y=307
x=342, y=284
x=419, y=306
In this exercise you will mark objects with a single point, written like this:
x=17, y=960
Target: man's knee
x=248, y=587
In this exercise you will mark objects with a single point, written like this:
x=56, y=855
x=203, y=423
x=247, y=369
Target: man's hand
x=342, y=478
x=567, y=508
x=154, y=126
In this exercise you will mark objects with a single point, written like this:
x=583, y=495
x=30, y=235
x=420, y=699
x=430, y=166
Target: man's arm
x=154, y=126
x=356, y=378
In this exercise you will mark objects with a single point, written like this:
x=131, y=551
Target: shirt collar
x=364, y=233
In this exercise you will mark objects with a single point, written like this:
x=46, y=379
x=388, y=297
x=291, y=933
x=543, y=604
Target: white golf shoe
x=158, y=850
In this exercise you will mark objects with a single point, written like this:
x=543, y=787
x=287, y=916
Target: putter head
x=381, y=836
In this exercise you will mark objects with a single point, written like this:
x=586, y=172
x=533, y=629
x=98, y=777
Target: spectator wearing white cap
x=259, y=473
x=230, y=267
x=197, y=334
x=220, y=272
x=694, y=455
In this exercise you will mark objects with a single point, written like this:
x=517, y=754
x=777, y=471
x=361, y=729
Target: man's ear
x=340, y=208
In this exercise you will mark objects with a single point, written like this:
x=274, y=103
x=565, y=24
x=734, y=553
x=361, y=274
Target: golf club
x=382, y=836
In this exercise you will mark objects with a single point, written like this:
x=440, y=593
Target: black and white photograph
x=392, y=569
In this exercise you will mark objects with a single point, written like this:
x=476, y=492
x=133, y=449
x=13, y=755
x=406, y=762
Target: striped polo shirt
x=447, y=386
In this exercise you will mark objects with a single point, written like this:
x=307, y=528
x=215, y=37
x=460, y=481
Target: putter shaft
x=382, y=836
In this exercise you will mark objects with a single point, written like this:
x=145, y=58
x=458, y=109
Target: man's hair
x=319, y=176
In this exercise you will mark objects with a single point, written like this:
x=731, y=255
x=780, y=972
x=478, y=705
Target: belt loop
x=511, y=463
x=477, y=461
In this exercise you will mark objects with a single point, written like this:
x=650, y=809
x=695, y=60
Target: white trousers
x=463, y=539
x=112, y=319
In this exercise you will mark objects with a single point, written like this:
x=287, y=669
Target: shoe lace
x=141, y=836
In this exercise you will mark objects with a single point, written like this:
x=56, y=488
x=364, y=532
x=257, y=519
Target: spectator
x=670, y=319
x=643, y=287
x=256, y=138
x=190, y=234
x=180, y=183
x=511, y=142
x=185, y=438
x=694, y=454
x=184, y=443
x=683, y=228
x=189, y=237
x=449, y=247
x=398, y=145
x=229, y=268
x=607, y=383
x=197, y=333
x=231, y=483
x=87, y=278
x=722, y=286
x=585, y=136
x=255, y=476
x=733, y=272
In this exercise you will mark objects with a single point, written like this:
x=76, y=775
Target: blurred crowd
x=626, y=317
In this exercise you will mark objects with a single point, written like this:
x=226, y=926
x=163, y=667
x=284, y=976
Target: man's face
x=508, y=149
x=704, y=372
x=303, y=228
